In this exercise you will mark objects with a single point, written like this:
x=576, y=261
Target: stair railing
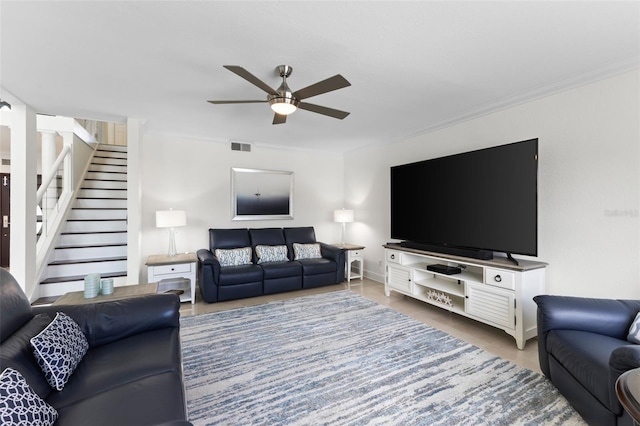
x=54, y=193
x=59, y=187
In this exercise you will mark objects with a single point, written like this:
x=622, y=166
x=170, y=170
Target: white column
x=23, y=198
x=134, y=200
x=48, y=157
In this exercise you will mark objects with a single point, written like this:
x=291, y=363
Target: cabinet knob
x=497, y=278
x=393, y=256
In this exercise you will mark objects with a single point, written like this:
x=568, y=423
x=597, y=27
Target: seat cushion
x=118, y=363
x=281, y=269
x=151, y=400
x=317, y=266
x=231, y=275
x=586, y=357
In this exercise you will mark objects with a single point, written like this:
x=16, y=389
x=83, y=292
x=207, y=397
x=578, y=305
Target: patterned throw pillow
x=234, y=257
x=306, y=251
x=634, y=331
x=59, y=348
x=20, y=405
x=271, y=253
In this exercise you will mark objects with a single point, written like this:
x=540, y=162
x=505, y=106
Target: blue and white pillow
x=271, y=253
x=233, y=257
x=306, y=251
x=59, y=348
x=20, y=405
x=634, y=330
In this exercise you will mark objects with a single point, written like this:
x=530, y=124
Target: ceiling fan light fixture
x=283, y=105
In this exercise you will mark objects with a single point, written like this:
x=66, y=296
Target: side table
x=120, y=292
x=628, y=392
x=184, y=265
x=354, y=253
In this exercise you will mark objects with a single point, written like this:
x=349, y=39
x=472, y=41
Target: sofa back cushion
x=302, y=235
x=228, y=239
x=272, y=237
x=15, y=309
x=16, y=352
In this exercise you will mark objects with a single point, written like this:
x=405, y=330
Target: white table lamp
x=171, y=219
x=343, y=216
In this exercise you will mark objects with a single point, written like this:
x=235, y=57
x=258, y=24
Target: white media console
x=496, y=292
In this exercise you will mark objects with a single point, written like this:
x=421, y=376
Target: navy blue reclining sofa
x=219, y=283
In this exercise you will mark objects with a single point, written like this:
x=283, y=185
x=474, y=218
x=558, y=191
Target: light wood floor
x=491, y=339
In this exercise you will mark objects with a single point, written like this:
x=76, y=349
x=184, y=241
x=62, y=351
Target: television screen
x=483, y=200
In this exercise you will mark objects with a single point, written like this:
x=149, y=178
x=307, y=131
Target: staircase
x=94, y=237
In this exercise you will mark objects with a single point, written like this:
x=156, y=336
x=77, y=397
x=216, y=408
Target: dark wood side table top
x=628, y=391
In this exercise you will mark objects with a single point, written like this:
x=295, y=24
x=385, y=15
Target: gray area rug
x=341, y=359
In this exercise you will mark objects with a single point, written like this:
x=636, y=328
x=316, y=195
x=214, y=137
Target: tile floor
x=486, y=337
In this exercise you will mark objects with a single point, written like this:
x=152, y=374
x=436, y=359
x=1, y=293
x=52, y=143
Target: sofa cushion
x=228, y=238
x=281, y=270
x=15, y=309
x=59, y=348
x=20, y=405
x=233, y=257
x=117, y=363
x=17, y=353
x=231, y=275
x=150, y=400
x=317, y=266
x=271, y=253
x=306, y=251
x=585, y=356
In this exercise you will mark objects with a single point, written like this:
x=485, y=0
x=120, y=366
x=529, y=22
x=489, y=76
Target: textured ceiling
x=414, y=66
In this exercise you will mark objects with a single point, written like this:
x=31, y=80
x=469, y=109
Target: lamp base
x=172, y=242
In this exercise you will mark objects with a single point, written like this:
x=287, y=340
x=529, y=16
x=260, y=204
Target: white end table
x=183, y=265
x=354, y=253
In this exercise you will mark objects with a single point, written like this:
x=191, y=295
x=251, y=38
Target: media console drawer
x=394, y=256
x=500, y=278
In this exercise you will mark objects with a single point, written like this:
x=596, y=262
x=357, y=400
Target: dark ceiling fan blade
x=279, y=119
x=250, y=78
x=335, y=113
x=332, y=83
x=236, y=102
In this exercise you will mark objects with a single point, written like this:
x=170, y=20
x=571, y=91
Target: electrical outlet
x=380, y=263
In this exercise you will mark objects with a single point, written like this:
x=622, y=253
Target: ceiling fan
x=283, y=101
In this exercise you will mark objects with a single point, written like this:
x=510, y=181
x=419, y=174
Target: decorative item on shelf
x=91, y=286
x=171, y=219
x=439, y=297
x=343, y=216
x=106, y=286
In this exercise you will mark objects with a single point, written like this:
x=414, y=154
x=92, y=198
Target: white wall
x=589, y=183
x=195, y=176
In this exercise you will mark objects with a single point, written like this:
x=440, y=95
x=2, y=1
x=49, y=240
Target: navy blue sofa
x=583, y=349
x=219, y=283
x=132, y=372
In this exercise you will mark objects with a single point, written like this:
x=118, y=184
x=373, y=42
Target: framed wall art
x=261, y=194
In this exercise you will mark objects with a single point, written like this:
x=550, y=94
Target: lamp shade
x=170, y=218
x=343, y=216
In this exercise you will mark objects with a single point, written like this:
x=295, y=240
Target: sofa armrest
x=337, y=255
x=625, y=358
x=106, y=322
x=622, y=359
x=208, y=275
x=331, y=252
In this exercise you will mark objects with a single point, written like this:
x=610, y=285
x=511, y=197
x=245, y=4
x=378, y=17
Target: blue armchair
x=583, y=349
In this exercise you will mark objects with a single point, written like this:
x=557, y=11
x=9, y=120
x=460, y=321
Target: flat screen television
x=469, y=204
